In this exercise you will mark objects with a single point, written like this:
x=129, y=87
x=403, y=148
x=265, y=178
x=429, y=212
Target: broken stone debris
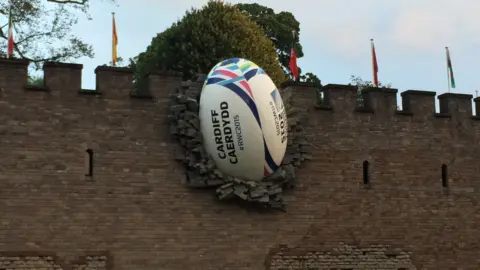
x=201, y=171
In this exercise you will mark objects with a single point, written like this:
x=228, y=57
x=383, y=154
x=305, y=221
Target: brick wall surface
x=18, y=261
x=375, y=257
x=136, y=213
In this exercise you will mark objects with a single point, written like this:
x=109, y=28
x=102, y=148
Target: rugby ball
x=243, y=120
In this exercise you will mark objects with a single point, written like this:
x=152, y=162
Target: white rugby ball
x=242, y=120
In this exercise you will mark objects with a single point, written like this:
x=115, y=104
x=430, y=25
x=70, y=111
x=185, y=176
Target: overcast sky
x=410, y=37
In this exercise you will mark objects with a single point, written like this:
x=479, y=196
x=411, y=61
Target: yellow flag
x=114, y=41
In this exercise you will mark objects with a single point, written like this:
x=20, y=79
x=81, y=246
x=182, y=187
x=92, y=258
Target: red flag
x=10, y=34
x=293, y=64
x=374, y=65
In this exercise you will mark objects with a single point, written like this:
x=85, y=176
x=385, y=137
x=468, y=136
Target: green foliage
x=42, y=30
x=361, y=84
x=204, y=37
x=80, y=4
x=132, y=62
x=35, y=81
x=120, y=63
x=314, y=80
x=282, y=29
x=311, y=78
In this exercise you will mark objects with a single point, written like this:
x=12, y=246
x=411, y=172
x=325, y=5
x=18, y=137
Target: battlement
x=382, y=102
x=65, y=80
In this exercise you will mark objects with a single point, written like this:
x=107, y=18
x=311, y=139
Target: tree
x=278, y=27
x=283, y=30
x=75, y=2
x=36, y=81
x=82, y=5
x=311, y=78
x=204, y=37
x=315, y=81
x=361, y=84
x=42, y=30
x=120, y=63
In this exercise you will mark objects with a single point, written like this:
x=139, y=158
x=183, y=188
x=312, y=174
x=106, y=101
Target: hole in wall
x=444, y=175
x=89, y=162
x=366, y=172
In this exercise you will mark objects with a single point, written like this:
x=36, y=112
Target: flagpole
x=373, y=63
x=113, y=40
x=8, y=33
x=8, y=30
x=10, y=26
x=293, y=48
x=448, y=71
x=294, y=34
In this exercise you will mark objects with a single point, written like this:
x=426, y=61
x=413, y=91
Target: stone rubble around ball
x=201, y=171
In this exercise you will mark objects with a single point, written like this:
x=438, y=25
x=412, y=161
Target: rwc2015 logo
x=277, y=99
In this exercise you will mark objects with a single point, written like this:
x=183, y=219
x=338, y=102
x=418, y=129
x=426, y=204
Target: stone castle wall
x=373, y=196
